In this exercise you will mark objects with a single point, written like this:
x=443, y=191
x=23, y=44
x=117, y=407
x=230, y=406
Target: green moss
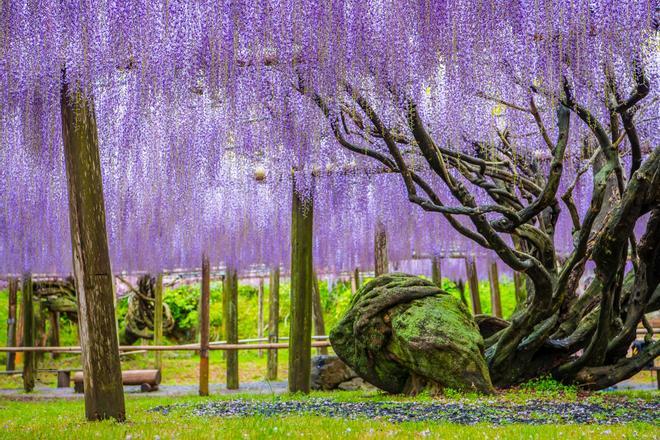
x=400, y=329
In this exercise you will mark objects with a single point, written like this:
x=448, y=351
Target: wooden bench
x=148, y=380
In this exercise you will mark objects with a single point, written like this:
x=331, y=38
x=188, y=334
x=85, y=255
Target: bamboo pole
x=317, y=310
x=473, y=283
x=158, y=319
x=11, y=322
x=380, y=250
x=436, y=272
x=301, y=293
x=29, y=358
x=104, y=392
x=230, y=296
x=519, y=289
x=260, y=312
x=495, y=299
x=273, y=321
x=204, y=328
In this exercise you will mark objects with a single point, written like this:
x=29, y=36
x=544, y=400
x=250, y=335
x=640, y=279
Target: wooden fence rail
x=187, y=347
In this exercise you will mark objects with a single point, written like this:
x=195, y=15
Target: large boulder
x=403, y=334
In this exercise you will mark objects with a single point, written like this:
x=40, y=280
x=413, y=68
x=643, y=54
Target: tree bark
x=436, y=271
x=300, y=341
x=380, y=250
x=204, y=327
x=29, y=358
x=273, y=321
x=317, y=309
x=104, y=396
x=473, y=284
x=230, y=295
x=158, y=319
x=260, y=313
x=11, y=322
x=495, y=299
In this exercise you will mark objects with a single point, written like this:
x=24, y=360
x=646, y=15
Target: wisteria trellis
x=191, y=96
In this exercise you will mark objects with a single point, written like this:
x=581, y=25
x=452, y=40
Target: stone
x=404, y=334
x=328, y=372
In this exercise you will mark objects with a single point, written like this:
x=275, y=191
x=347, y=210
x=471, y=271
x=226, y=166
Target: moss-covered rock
x=402, y=333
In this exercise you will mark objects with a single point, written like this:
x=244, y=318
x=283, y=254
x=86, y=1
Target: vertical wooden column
x=273, y=321
x=11, y=322
x=54, y=340
x=300, y=334
x=355, y=281
x=260, y=313
x=495, y=299
x=380, y=250
x=104, y=394
x=29, y=357
x=436, y=271
x=473, y=283
x=317, y=310
x=158, y=319
x=204, y=327
x=519, y=289
x=460, y=285
x=230, y=297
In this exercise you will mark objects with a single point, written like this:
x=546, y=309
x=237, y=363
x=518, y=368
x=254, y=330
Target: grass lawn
x=64, y=420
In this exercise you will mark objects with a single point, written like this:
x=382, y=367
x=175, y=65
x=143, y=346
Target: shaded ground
x=496, y=413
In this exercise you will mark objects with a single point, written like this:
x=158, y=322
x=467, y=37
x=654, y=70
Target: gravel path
x=498, y=413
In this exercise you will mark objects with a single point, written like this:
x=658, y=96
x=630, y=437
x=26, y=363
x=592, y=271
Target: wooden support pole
x=380, y=250
x=460, y=285
x=519, y=289
x=54, y=339
x=204, y=327
x=104, y=393
x=230, y=296
x=29, y=358
x=11, y=322
x=300, y=333
x=355, y=281
x=260, y=312
x=317, y=310
x=273, y=321
x=495, y=299
x=436, y=272
x=473, y=283
x=158, y=319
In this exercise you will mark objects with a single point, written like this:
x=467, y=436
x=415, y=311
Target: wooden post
x=519, y=289
x=29, y=358
x=273, y=321
x=158, y=319
x=230, y=297
x=300, y=334
x=317, y=310
x=495, y=300
x=260, y=313
x=54, y=340
x=460, y=285
x=473, y=283
x=436, y=272
x=380, y=250
x=104, y=393
x=11, y=322
x=355, y=281
x=204, y=327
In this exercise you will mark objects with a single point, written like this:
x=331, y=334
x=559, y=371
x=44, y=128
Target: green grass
x=64, y=420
